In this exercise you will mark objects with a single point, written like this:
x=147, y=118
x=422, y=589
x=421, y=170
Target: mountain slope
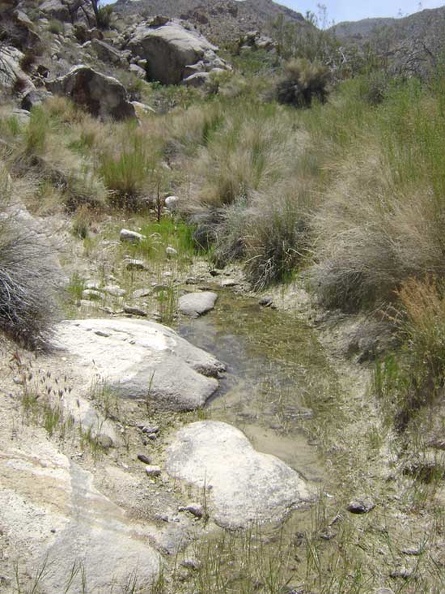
x=219, y=20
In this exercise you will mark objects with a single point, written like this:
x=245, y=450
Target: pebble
x=195, y=509
x=135, y=311
x=361, y=506
x=153, y=470
x=131, y=236
x=135, y=265
x=145, y=459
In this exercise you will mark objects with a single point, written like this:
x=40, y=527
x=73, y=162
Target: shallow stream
x=277, y=377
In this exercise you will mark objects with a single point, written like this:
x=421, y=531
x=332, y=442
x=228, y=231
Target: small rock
x=214, y=272
x=114, y=290
x=140, y=293
x=361, y=506
x=134, y=311
x=194, y=508
x=412, y=551
x=135, y=265
x=170, y=251
x=266, y=301
x=153, y=470
x=196, y=304
x=171, y=202
x=92, y=294
x=149, y=430
x=131, y=236
x=402, y=572
x=191, y=564
x=384, y=591
x=104, y=441
x=145, y=459
x=228, y=282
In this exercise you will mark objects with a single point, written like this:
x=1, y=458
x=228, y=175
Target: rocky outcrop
x=142, y=360
x=103, y=96
x=12, y=76
x=169, y=48
x=242, y=485
x=63, y=526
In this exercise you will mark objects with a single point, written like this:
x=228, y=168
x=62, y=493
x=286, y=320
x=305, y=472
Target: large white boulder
x=103, y=96
x=141, y=359
x=242, y=485
x=169, y=49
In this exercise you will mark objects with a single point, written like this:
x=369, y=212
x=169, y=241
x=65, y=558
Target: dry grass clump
x=303, y=81
x=414, y=376
x=382, y=217
x=28, y=279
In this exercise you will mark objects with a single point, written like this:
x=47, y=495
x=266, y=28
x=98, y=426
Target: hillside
x=219, y=20
x=410, y=45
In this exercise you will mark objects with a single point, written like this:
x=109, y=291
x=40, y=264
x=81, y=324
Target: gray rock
x=195, y=509
x=169, y=48
x=196, y=304
x=130, y=236
x=198, y=79
x=361, y=506
x=109, y=54
x=141, y=359
x=138, y=71
x=114, y=290
x=11, y=75
x=103, y=96
x=242, y=485
x=135, y=311
x=135, y=265
x=153, y=470
x=54, y=515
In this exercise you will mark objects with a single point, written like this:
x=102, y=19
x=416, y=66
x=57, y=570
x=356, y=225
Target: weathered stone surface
x=168, y=49
x=52, y=511
x=109, y=54
x=11, y=74
x=103, y=96
x=196, y=304
x=141, y=359
x=243, y=485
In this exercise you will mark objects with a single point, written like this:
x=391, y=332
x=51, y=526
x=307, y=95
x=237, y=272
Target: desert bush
x=28, y=280
x=413, y=377
x=383, y=210
x=303, y=82
x=277, y=240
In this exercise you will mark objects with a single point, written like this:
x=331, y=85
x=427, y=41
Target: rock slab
x=141, y=359
x=242, y=485
x=61, y=523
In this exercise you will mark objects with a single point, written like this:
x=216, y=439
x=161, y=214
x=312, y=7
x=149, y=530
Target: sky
x=354, y=10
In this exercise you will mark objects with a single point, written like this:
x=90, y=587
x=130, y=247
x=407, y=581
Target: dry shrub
x=414, y=376
x=277, y=240
x=29, y=279
x=303, y=82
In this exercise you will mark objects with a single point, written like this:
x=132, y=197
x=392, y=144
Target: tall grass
x=382, y=218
